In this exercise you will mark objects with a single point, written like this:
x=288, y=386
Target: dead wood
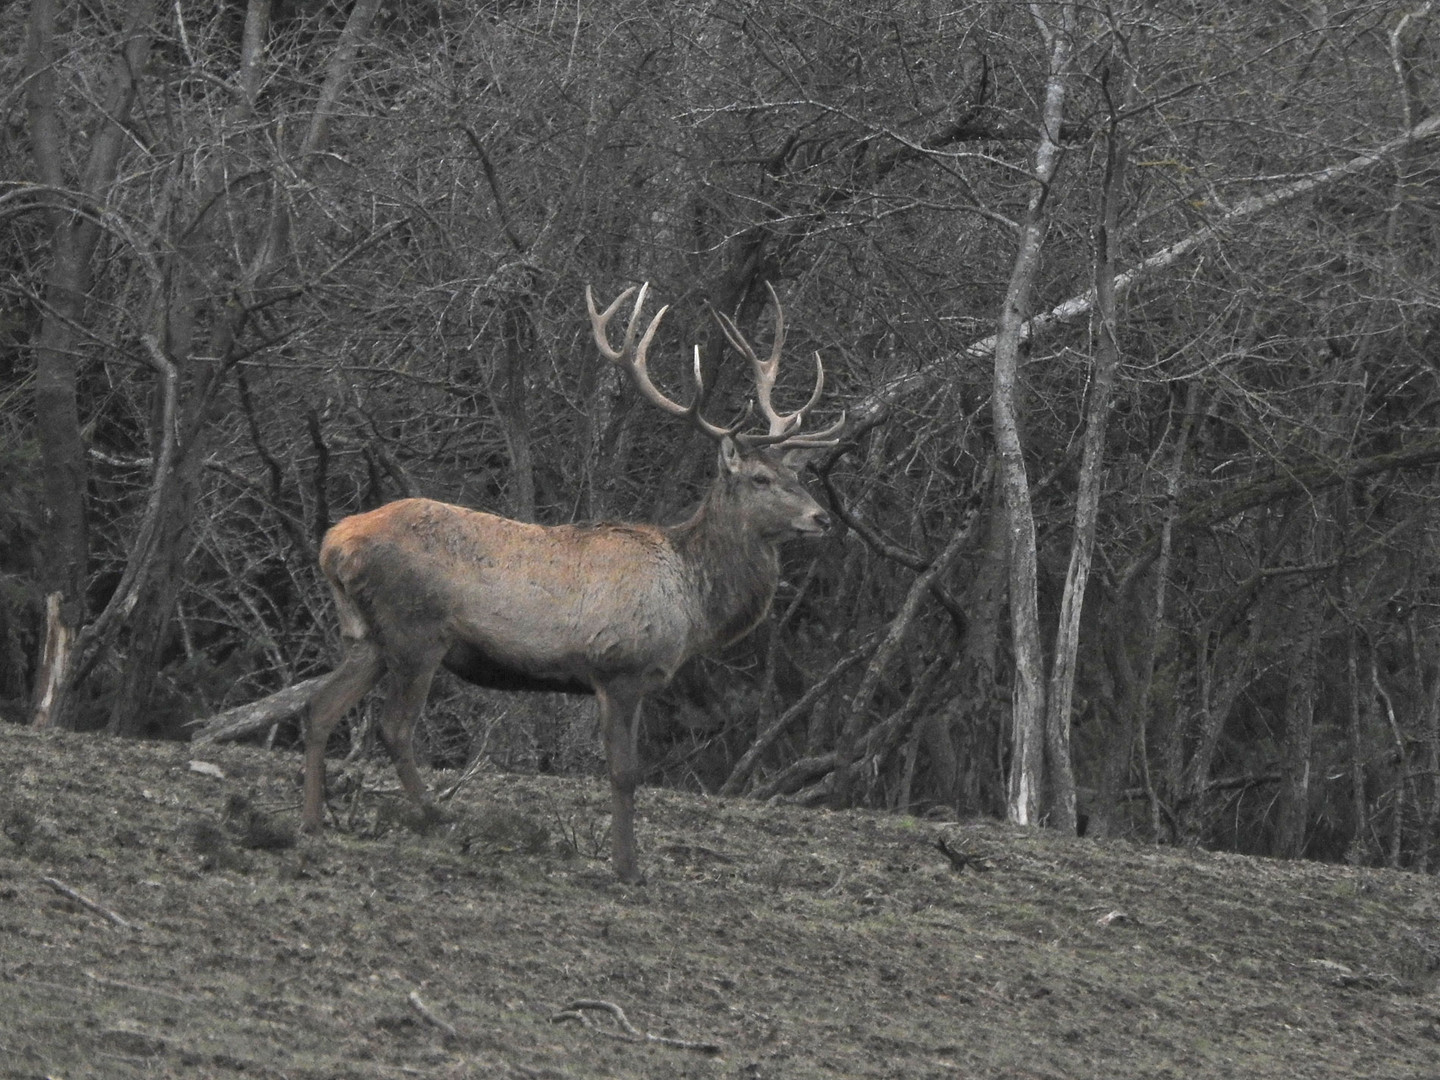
x=245, y=720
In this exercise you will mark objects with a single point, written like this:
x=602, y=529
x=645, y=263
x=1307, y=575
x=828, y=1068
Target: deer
x=611, y=610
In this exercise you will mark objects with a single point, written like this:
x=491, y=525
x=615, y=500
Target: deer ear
x=729, y=456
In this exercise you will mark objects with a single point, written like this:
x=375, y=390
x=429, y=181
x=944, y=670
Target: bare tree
x=1039, y=753
x=76, y=232
x=188, y=350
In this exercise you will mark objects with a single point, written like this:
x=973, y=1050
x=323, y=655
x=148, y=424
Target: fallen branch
x=959, y=860
x=85, y=902
x=429, y=1017
x=628, y=1032
x=735, y=783
x=245, y=720
x=794, y=776
x=789, y=785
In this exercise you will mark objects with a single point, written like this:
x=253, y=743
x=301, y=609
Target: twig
x=477, y=765
x=86, y=902
x=429, y=1017
x=628, y=1032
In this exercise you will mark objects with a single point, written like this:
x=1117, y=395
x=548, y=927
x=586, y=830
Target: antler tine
x=783, y=428
x=825, y=437
x=600, y=321
x=633, y=359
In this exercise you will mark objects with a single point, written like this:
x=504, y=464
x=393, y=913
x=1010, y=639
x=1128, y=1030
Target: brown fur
x=612, y=610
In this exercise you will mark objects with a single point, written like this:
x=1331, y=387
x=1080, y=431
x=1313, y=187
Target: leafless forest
x=1133, y=309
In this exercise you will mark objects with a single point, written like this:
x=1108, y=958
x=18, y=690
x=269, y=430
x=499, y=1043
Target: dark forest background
x=1134, y=308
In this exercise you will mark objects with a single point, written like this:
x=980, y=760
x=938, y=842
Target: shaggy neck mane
x=734, y=568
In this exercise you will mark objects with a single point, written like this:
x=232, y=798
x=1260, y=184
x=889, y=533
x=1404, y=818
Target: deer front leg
x=619, y=720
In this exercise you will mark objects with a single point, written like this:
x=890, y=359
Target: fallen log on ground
x=245, y=720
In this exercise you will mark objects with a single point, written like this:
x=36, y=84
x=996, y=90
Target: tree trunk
x=60, y=342
x=1136, y=682
x=1221, y=672
x=133, y=709
x=976, y=720
x=158, y=565
x=1028, y=758
x=519, y=348
x=1297, y=745
x=1061, y=691
x=1356, y=723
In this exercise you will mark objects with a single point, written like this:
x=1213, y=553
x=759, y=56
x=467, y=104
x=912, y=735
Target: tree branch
x=925, y=378
x=245, y=720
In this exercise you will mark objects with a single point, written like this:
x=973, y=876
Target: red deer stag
x=607, y=609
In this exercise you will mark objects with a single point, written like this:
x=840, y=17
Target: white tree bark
x=1027, y=699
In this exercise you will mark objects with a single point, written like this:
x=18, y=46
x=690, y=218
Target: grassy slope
x=803, y=943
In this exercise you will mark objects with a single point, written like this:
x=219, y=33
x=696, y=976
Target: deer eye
x=762, y=480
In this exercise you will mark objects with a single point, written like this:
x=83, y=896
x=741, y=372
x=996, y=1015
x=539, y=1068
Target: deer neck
x=733, y=570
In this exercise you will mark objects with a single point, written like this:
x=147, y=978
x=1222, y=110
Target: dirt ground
x=159, y=918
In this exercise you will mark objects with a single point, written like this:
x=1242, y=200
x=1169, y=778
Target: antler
x=631, y=358
x=783, y=428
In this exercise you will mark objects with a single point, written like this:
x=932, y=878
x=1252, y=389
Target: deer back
x=548, y=603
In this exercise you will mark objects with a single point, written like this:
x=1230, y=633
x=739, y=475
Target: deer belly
x=476, y=665
x=548, y=631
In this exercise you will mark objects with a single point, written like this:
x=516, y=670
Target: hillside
x=798, y=943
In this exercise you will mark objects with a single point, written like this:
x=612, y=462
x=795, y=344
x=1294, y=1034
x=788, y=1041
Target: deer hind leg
x=347, y=684
x=408, y=687
x=619, y=722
